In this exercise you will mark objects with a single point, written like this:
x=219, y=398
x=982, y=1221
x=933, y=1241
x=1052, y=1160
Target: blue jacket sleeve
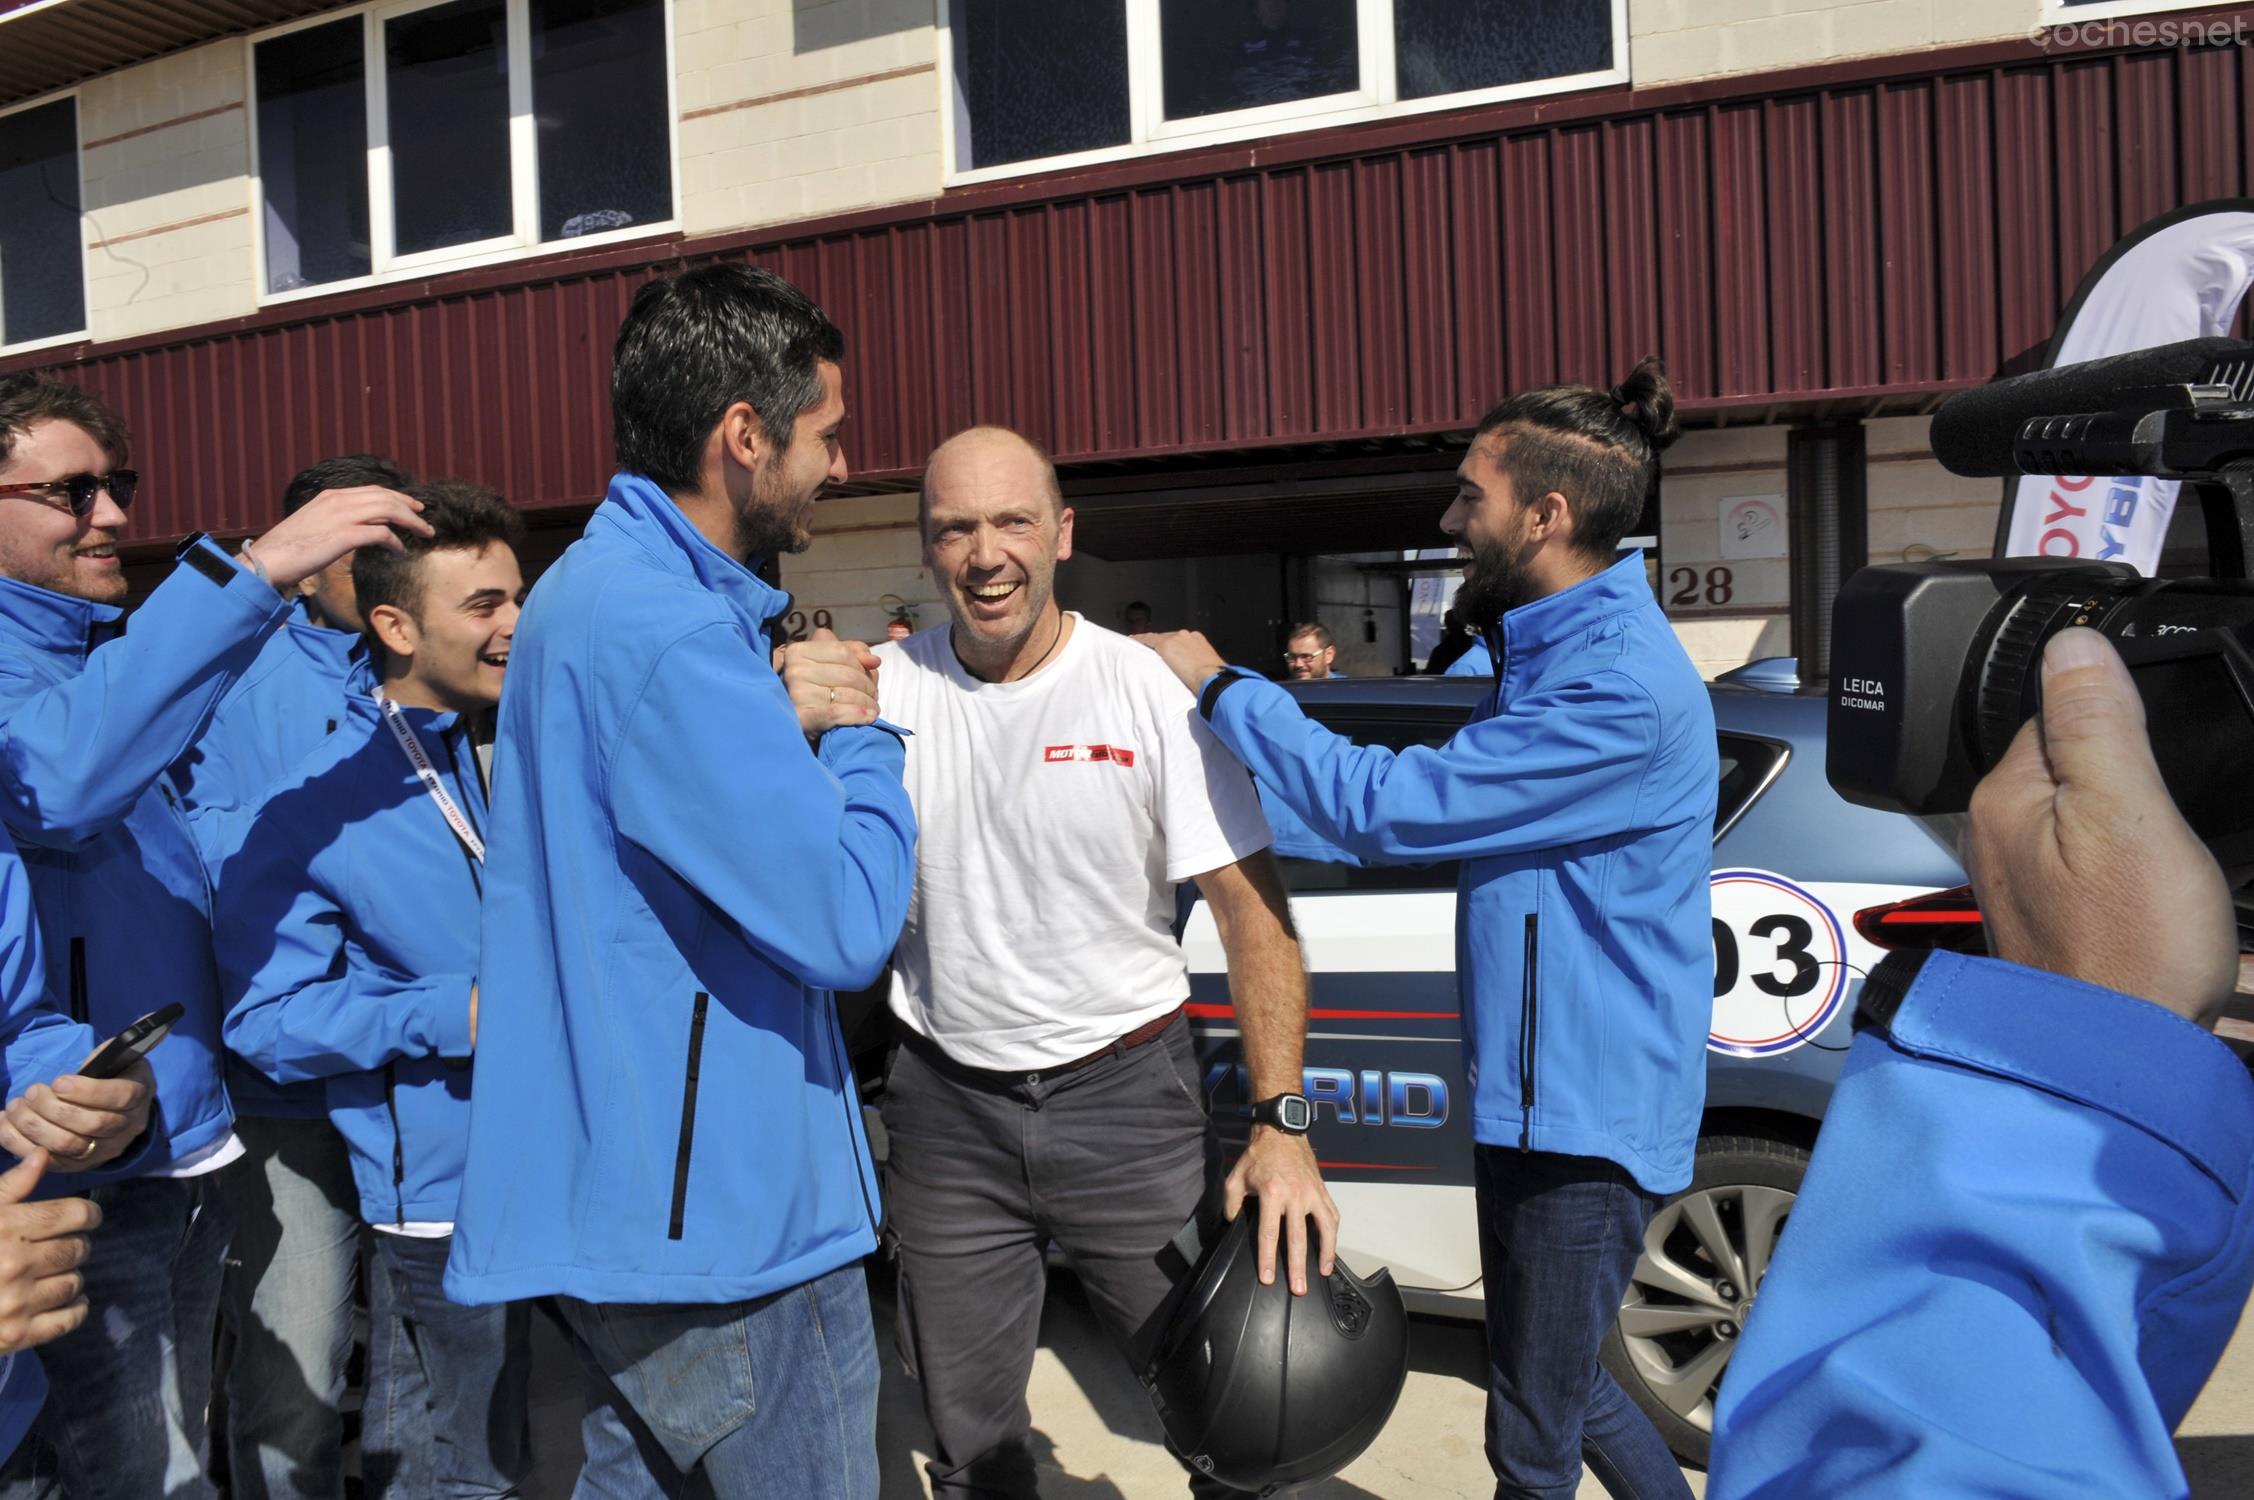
x=1556, y=767
x=38, y=1042
x=75, y=756
x=304, y=1001
x=2019, y=1252
x=812, y=858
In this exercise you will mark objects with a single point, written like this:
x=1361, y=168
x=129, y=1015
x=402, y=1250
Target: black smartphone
x=117, y=1054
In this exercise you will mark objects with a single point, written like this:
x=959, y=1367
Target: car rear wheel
x=1704, y=1255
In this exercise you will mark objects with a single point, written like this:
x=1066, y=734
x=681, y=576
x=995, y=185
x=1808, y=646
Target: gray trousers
x=987, y=1169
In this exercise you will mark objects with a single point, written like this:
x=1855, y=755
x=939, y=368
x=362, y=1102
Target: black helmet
x=1263, y=1390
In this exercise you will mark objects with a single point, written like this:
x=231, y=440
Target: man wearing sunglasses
x=90, y=719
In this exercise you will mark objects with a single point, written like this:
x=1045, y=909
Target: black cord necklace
x=1054, y=642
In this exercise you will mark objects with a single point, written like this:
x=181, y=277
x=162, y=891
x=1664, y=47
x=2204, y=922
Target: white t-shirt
x=1055, y=816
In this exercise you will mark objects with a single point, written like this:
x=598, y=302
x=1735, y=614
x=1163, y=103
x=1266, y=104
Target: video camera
x=1936, y=665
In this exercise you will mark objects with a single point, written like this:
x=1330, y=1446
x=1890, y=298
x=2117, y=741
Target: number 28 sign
x=1781, y=964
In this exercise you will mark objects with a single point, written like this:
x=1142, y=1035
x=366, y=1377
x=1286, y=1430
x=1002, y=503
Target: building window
x=406, y=137
x=42, y=259
x=1037, y=79
x=1036, y=83
x=1830, y=532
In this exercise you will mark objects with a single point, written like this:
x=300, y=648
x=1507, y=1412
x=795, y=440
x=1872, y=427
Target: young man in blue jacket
x=678, y=881
x=296, y=1251
x=1581, y=801
x=348, y=944
x=89, y=721
x=2028, y=1230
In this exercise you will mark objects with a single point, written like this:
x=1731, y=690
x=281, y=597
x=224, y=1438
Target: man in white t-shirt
x=1046, y=1092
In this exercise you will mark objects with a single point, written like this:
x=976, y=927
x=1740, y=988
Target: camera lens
x=2023, y=622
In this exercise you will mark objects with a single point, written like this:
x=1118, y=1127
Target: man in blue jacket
x=348, y=947
x=2028, y=1229
x=89, y=721
x=296, y=1250
x=1581, y=802
x=678, y=881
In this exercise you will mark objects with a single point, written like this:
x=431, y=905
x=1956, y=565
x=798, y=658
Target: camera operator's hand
x=2081, y=862
x=331, y=525
x=830, y=682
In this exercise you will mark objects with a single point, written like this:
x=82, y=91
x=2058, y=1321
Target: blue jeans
x=772, y=1399
x=1558, y=1238
x=290, y=1274
x=127, y=1388
x=448, y=1413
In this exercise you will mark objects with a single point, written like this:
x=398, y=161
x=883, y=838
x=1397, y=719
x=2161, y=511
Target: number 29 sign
x=1781, y=964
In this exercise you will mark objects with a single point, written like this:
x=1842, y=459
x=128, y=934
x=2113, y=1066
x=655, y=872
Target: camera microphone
x=1977, y=432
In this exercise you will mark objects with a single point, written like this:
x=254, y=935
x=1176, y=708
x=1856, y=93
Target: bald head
x=991, y=460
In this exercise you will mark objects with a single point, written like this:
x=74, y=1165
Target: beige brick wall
x=166, y=161
x=863, y=549
x=1705, y=470
x=1670, y=41
x=1919, y=510
x=795, y=110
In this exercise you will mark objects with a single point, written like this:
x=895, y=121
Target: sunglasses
x=76, y=493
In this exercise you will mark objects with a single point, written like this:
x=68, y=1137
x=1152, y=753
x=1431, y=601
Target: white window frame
x=524, y=241
x=85, y=252
x=1150, y=133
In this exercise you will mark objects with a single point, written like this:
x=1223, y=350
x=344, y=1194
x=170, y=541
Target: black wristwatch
x=1289, y=1113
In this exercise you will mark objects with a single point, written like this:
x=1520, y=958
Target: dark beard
x=1495, y=585
x=764, y=534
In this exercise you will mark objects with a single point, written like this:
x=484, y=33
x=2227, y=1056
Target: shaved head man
x=1045, y=1090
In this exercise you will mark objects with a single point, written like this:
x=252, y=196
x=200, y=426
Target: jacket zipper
x=398, y=1146
x=1528, y=1031
x=688, y=1116
x=79, y=1008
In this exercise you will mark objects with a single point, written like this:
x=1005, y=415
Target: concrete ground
x=1097, y=1439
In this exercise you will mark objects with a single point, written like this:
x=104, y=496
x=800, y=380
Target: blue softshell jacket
x=38, y=1043
x=1581, y=801
x=291, y=699
x=89, y=721
x=676, y=885
x=2019, y=1252
x=348, y=943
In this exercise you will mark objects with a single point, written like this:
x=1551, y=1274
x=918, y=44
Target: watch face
x=1294, y=1113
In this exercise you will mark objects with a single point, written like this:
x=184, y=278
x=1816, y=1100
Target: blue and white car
x=1794, y=864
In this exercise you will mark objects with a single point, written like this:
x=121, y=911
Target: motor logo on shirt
x=1118, y=755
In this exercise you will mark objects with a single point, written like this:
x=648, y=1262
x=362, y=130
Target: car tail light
x=1941, y=919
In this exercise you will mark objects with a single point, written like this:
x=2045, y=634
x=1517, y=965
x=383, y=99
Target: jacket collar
x=651, y=518
x=360, y=684
x=333, y=651
x=53, y=622
x=1532, y=630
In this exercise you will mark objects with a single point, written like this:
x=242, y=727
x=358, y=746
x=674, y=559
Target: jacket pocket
x=1529, y=1029
x=688, y=1116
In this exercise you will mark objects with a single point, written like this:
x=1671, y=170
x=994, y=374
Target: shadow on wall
x=818, y=24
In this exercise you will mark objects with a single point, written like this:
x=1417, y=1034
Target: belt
x=1150, y=1031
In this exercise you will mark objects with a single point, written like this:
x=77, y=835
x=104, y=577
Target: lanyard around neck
x=411, y=746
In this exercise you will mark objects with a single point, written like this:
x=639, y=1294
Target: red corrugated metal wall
x=1884, y=238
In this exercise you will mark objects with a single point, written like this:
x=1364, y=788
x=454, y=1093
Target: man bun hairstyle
x=345, y=472
x=694, y=345
x=1599, y=449
x=461, y=515
x=26, y=399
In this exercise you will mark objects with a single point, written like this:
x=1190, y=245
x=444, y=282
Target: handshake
x=832, y=683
